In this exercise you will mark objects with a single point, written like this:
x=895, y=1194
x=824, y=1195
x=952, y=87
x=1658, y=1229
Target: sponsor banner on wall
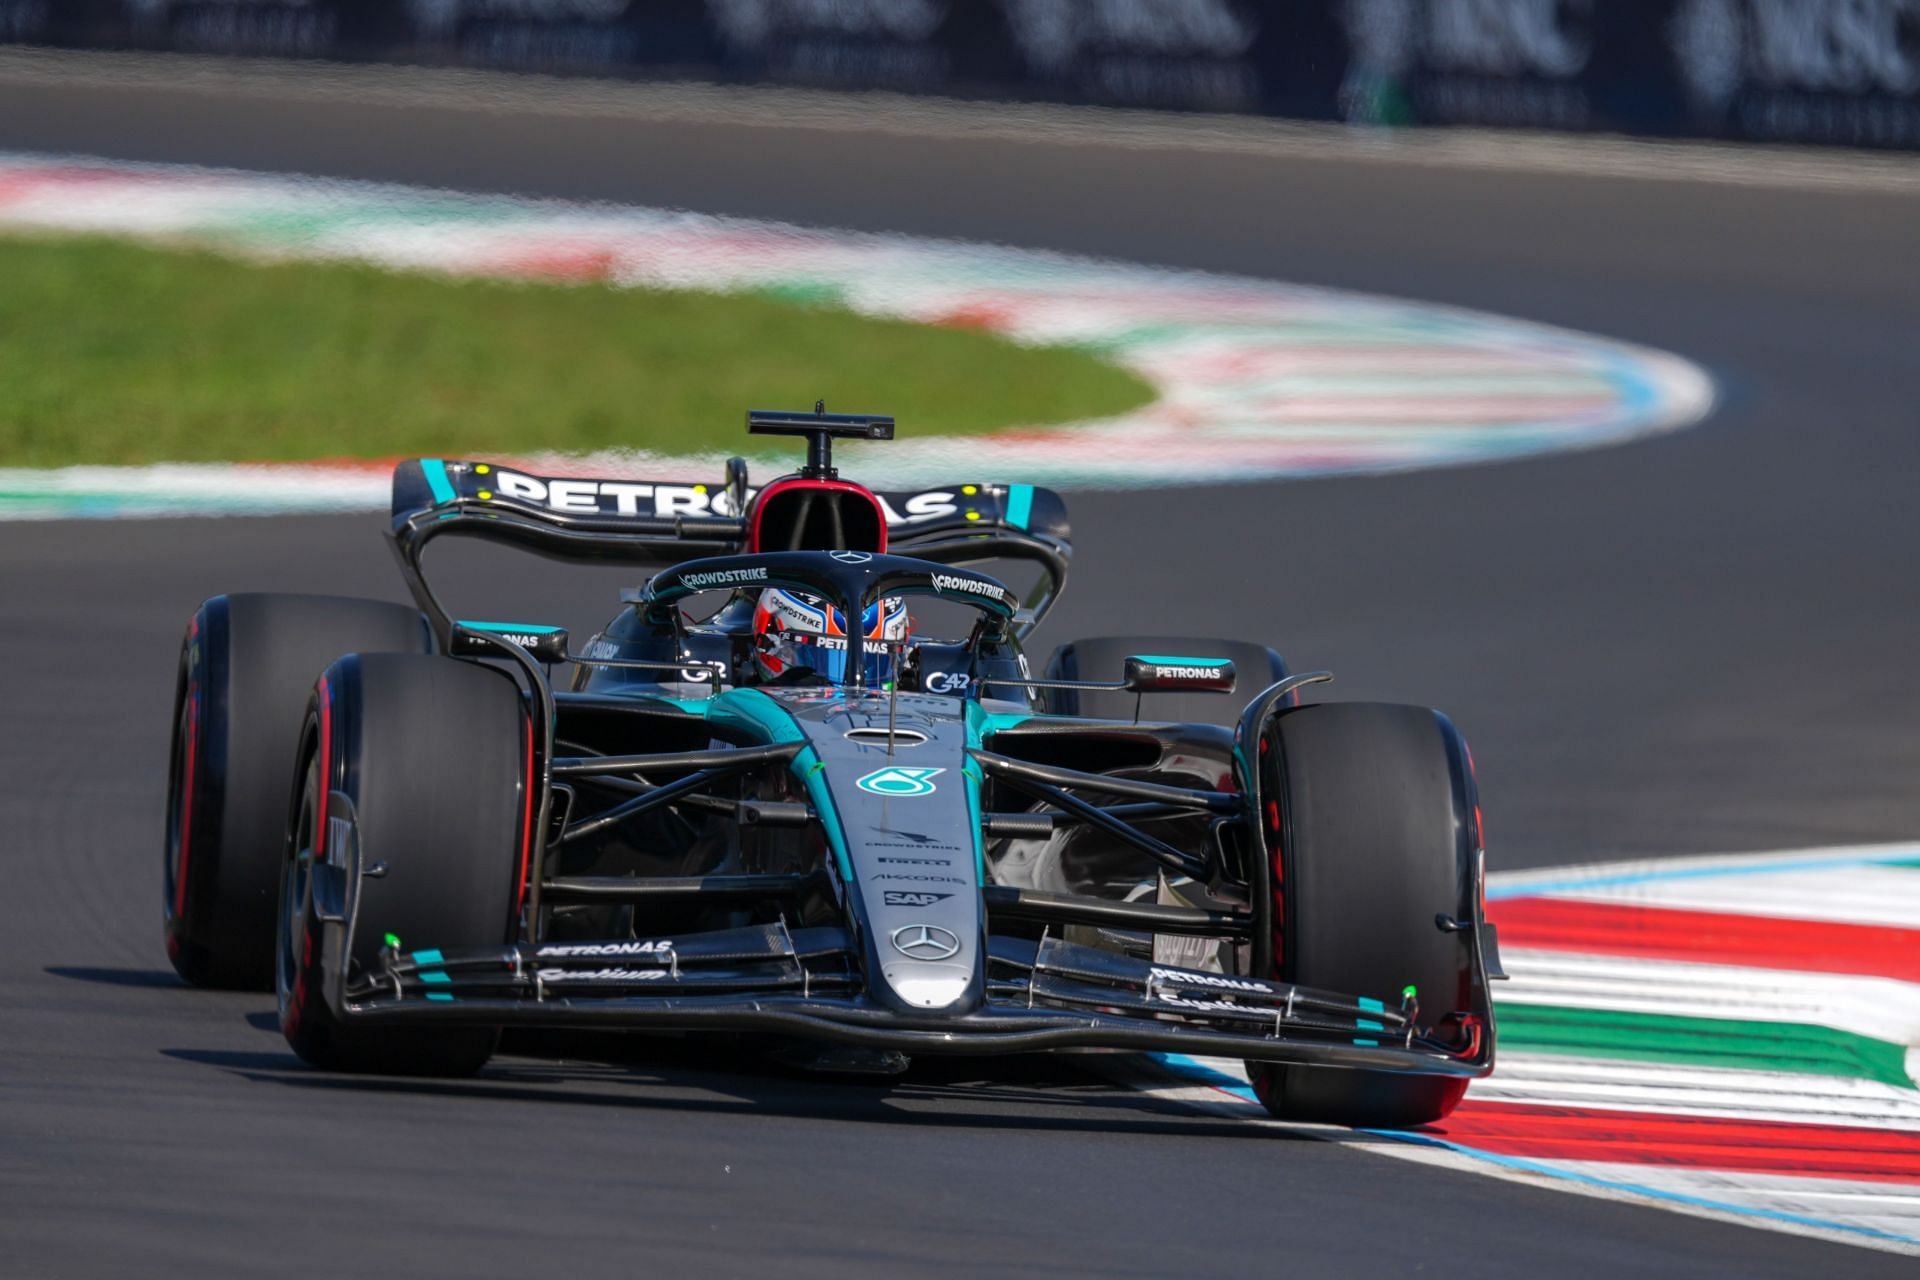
x=1820, y=71
x=1834, y=71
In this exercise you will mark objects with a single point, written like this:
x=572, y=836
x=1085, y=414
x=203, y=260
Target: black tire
x=1103, y=657
x=247, y=667
x=1378, y=836
x=430, y=755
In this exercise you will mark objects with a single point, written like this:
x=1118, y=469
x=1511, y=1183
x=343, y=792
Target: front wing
x=804, y=982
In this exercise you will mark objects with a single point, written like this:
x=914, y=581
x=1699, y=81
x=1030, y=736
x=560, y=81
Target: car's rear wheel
x=247, y=667
x=1104, y=658
x=1376, y=839
x=414, y=768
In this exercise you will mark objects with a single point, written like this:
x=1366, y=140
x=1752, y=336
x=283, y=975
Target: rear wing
x=653, y=508
x=662, y=522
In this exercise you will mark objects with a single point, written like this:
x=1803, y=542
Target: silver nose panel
x=928, y=986
x=910, y=838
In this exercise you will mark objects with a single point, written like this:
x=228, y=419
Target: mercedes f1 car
x=863, y=840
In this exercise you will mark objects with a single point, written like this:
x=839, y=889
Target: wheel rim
x=177, y=799
x=296, y=886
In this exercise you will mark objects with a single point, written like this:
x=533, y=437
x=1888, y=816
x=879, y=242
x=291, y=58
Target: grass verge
x=118, y=352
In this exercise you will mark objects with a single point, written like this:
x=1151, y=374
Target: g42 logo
x=896, y=781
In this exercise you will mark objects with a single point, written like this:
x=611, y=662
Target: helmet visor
x=826, y=658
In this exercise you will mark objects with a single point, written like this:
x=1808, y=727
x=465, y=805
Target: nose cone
x=928, y=986
x=906, y=803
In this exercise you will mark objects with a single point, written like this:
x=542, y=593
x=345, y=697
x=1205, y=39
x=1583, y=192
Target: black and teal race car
x=417, y=835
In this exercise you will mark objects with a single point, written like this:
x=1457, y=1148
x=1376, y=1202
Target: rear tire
x=1377, y=837
x=1103, y=658
x=247, y=667
x=425, y=765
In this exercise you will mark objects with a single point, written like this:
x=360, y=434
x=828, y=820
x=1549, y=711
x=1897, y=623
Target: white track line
x=1879, y=1008
x=1614, y=1084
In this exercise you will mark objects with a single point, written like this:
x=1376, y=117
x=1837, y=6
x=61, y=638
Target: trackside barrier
x=1842, y=72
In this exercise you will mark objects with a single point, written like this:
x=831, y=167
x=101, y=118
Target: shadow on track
x=1019, y=1095
x=119, y=977
x=570, y=1069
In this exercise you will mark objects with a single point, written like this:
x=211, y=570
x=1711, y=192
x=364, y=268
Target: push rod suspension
x=724, y=760
x=1024, y=771
x=1159, y=850
x=652, y=799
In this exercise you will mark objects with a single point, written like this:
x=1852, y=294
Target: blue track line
x=1537, y=888
x=1197, y=1072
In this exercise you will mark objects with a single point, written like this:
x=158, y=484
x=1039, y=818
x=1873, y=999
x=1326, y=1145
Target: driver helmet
x=798, y=639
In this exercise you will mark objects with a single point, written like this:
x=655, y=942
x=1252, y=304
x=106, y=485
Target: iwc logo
x=896, y=781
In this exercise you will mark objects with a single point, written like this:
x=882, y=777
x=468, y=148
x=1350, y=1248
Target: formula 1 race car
x=786, y=811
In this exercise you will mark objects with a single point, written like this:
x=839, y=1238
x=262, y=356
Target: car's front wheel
x=1374, y=838
x=414, y=775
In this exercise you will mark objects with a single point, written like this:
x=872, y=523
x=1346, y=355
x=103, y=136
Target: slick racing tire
x=1377, y=836
x=1104, y=658
x=414, y=769
x=247, y=667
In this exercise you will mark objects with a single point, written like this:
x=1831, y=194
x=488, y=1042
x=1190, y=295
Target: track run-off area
x=1255, y=379
x=1695, y=642
x=1733, y=1036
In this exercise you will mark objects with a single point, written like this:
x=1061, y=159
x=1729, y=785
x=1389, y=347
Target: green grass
x=117, y=352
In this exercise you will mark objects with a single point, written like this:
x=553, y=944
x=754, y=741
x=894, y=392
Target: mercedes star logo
x=925, y=942
x=852, y=557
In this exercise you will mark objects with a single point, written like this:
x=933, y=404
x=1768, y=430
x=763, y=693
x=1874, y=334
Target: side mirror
x=1157, y=673
x=548, y=644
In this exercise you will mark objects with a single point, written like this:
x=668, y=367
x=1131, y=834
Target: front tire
x=422, y=764
x=1378, y=835
x=247, y=666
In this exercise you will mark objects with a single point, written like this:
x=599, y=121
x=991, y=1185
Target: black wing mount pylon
x=820, y=429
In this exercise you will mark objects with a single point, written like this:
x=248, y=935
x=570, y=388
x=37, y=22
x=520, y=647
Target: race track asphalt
x=1699, y=642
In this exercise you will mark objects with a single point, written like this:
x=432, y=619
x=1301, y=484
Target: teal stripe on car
x=813, y=776
x=1367, y=1024
x=754, y=710
x=428, y=957
x=437, y=480
x=1019, y=505
x=531, y=628
x=1163, y=660
x=982, y=725
x=750, y=708
x=436, y=976
x=970, y=772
